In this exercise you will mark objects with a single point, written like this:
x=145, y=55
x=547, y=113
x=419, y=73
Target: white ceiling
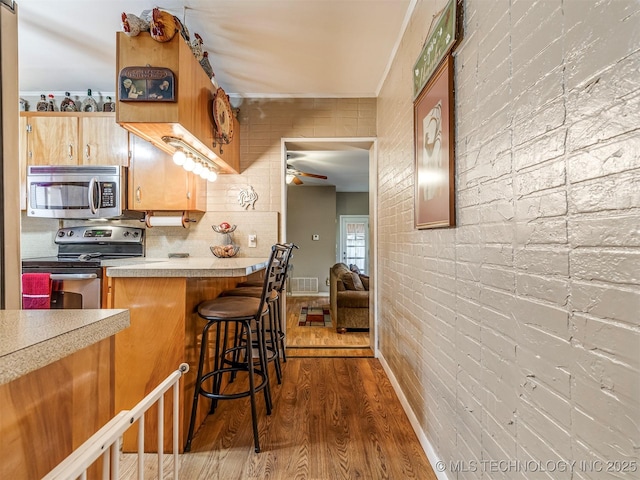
x=346, y=164
x=258, y=48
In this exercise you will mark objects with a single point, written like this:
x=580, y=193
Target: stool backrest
x=283, y=267
x=272, y=274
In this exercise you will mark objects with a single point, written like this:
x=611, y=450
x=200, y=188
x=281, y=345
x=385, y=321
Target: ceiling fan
x=293, y=175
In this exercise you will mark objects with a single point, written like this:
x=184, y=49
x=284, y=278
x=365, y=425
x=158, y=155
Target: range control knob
x=70, y=233
x=61, y=233
x=127, y=233
x=135, y=234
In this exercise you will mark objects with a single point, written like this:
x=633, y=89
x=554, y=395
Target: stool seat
x=231, y=306
x=250, y=283
x=245, y=292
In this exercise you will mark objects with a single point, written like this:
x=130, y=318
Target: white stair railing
x=105, y=442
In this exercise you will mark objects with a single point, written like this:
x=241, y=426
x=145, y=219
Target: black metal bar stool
x=235, y=353
x=275, y=303
x=275, y=331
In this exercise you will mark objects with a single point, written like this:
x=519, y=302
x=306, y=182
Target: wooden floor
x=333, y=418
x=321, y=341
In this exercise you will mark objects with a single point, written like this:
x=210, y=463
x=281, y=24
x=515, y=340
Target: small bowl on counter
x=225, y=251
x=223, y=229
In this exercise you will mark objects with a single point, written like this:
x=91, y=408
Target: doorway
x=354, y=241
x=313, y=161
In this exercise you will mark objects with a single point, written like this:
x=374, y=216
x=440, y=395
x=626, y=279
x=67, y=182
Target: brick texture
x=516, y=335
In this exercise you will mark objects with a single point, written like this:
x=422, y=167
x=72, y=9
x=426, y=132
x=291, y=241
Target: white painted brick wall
x=516, y=335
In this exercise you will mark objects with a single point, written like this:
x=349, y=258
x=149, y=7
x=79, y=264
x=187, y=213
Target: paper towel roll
x=166, y=221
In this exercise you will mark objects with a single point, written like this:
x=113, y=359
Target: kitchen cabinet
x=156, y=183
x=75, y=138
x=190, y=116
x=104, y=142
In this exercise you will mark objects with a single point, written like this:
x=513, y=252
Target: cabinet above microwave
x=74, y=138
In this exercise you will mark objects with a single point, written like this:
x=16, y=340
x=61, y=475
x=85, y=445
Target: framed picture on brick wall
x=433, y=122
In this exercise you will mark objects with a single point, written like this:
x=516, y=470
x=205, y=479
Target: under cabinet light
x=179, y=157
x=191, y=159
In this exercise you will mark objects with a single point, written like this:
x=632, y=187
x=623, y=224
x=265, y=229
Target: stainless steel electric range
x=76, y=272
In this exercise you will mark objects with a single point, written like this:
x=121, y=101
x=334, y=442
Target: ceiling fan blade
x=304, y=174
x=297, y=181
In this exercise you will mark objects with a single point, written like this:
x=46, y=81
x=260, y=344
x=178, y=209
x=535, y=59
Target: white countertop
x=184, y=267
x=32, y=339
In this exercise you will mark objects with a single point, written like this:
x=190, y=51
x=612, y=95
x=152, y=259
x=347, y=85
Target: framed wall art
x=434, y=150
x=148, y=84
x=438, y=43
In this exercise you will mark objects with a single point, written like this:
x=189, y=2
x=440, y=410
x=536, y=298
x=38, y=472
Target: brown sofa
x=349, y=298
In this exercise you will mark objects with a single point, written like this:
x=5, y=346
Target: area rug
x=315, y=317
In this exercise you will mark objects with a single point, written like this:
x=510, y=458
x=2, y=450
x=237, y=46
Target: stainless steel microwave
x=59, y=191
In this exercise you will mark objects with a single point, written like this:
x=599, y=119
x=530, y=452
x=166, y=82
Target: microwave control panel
x=108, y=194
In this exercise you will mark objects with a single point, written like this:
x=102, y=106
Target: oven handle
x=73, y=276
x=93, y=187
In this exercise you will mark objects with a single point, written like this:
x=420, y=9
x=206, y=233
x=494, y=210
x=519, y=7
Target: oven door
x=72, y=287
x=76, y=290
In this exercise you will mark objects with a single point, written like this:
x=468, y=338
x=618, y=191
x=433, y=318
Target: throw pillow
x=354, y=268
x=365, y=281
x=351, y=281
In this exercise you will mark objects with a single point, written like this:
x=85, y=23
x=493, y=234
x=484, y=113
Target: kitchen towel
x=36, y=291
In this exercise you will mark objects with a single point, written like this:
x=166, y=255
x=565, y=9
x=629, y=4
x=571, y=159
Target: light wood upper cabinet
x=190, y=117
x=104, y=142
x=156, y=183
x=75, y=138
x=52, y=140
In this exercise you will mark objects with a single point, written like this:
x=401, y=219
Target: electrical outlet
x=315, y=236
x=327, y=281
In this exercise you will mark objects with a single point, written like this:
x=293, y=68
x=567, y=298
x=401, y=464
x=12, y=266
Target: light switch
x=315, y=237
x=252, y=241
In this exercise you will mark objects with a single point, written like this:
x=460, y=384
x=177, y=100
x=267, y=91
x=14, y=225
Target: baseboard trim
x=308, y=294
x=433, y=458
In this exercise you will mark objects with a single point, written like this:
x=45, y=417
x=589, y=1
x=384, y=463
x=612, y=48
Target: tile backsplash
x=38, y=234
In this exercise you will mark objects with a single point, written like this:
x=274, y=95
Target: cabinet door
x=104, y=142
x=157, y=183
x=52, y=140
x=197, y=201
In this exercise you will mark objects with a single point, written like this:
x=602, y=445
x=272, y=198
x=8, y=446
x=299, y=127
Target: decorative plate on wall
x=223, y=116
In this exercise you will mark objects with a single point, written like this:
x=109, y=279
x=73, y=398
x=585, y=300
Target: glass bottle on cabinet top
x=68, y=105
x=89, y=104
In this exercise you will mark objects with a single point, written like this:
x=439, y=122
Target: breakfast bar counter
x=191, y=267
x=162, y=295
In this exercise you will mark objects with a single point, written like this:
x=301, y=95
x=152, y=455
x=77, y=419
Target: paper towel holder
x=183, y=220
